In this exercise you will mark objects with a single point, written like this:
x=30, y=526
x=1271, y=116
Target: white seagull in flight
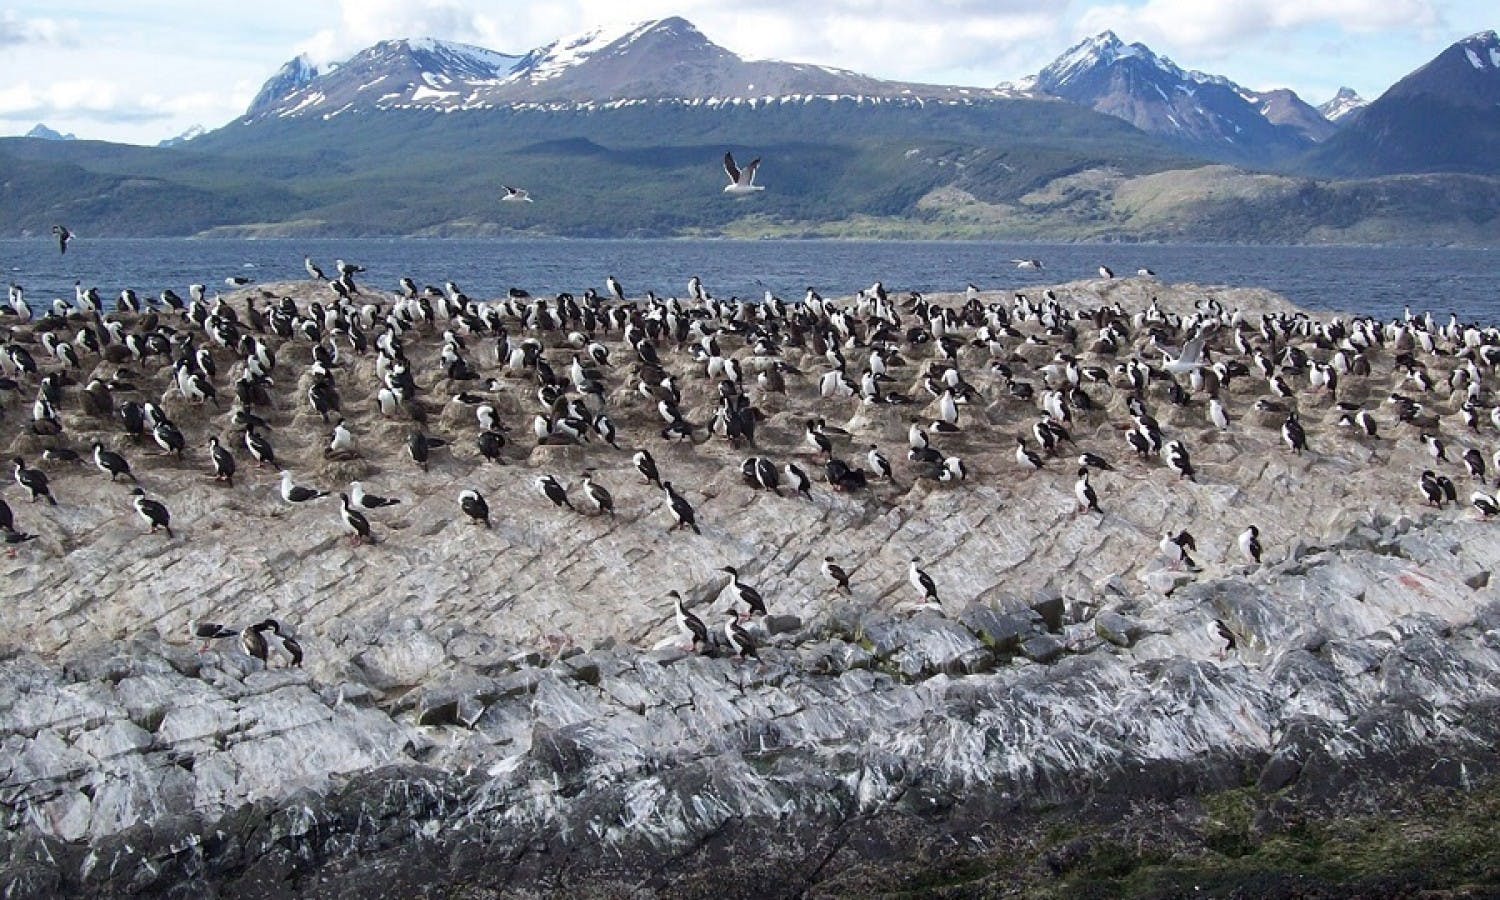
x=1027, y=263
x=741, y=181
x=515, y=195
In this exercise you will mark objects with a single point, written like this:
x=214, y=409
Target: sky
x=142, y=72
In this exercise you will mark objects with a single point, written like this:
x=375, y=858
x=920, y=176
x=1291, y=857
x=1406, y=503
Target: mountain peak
x=1343, y=103
x=1482, y=49
x=297, y=73
x=1131, y=82
x=47, y=134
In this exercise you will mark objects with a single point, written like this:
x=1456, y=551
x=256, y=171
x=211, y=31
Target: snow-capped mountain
x=1444, y=117
x=40, y=130
x=1156, y=95
x=1343, y=103
x=292, y=77
x=660, y=60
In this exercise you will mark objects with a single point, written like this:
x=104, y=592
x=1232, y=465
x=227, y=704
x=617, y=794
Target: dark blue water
x=1374, y=280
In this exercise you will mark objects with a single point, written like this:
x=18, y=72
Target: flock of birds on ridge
x=191, y=341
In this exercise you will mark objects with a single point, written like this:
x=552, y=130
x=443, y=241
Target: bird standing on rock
x=210, y=632
x=554, y=490
x=681, y=510
x=923, y=583
x=603, y=501
x=688, y=625
x=223, y=461
x=738, y=638
x=295, y=493
x=363, y=500
x=1249, y=541
x=152, y=512
x=755, y=605
x=1088, y=500
x=473, y=505
x=355, y=522
x=34, y=481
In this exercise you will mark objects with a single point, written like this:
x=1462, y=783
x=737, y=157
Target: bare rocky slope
x=510, y=711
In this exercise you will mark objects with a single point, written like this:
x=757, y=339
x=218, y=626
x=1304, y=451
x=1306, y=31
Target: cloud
x=1216, y=29
x=16, y=31
x=91, y=100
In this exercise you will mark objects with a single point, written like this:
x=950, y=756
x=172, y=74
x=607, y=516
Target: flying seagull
x=1028, y=263
x=515, y=195
x=741, y=181
x=1188, y=360
x=63, y=236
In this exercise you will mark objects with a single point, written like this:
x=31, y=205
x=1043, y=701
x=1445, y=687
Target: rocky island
x=1081, y=704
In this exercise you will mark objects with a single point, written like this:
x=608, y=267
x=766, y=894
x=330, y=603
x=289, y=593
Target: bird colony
x=332, y=447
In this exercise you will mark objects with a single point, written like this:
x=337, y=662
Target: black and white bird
x=740, y=592
x=223, y=461
x=419, y=447
x=738, y=638
x=260, y=448
x=313, y=271
x=681, y=510
x=295, y=493
x=1222, y=638
x=1435, y=446
x=646, y=465
x=953, y=470
x=1293, y=435
x=152, y=512
x=1178, y=461
x=355, y=522
x=253, y=642
x=1027, y=458
x=1106, y=272
x=473, y=505
x=1432, y=490
x=111, y=463
x=688, y=625
x=1485, y=504
x=1093, y=461
x=1088, y=499
x=63, y=237
x=797, y=479
x=1249, y=541
x=289, y=645
x=923, y=583
x=835, y=573
x=554, y=490
x=34, y=481
x=363, y=500
x=515, y=195
x=879, y=465
x=1174, y=549
x=741, y=181
x=599, y=495
x=208, y=632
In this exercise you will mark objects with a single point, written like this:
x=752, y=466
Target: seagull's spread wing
x=731, y=168
x=1191, y=351
x=749, y=173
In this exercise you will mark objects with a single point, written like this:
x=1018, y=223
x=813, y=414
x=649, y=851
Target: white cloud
x=16, y=30
x=97, y=101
